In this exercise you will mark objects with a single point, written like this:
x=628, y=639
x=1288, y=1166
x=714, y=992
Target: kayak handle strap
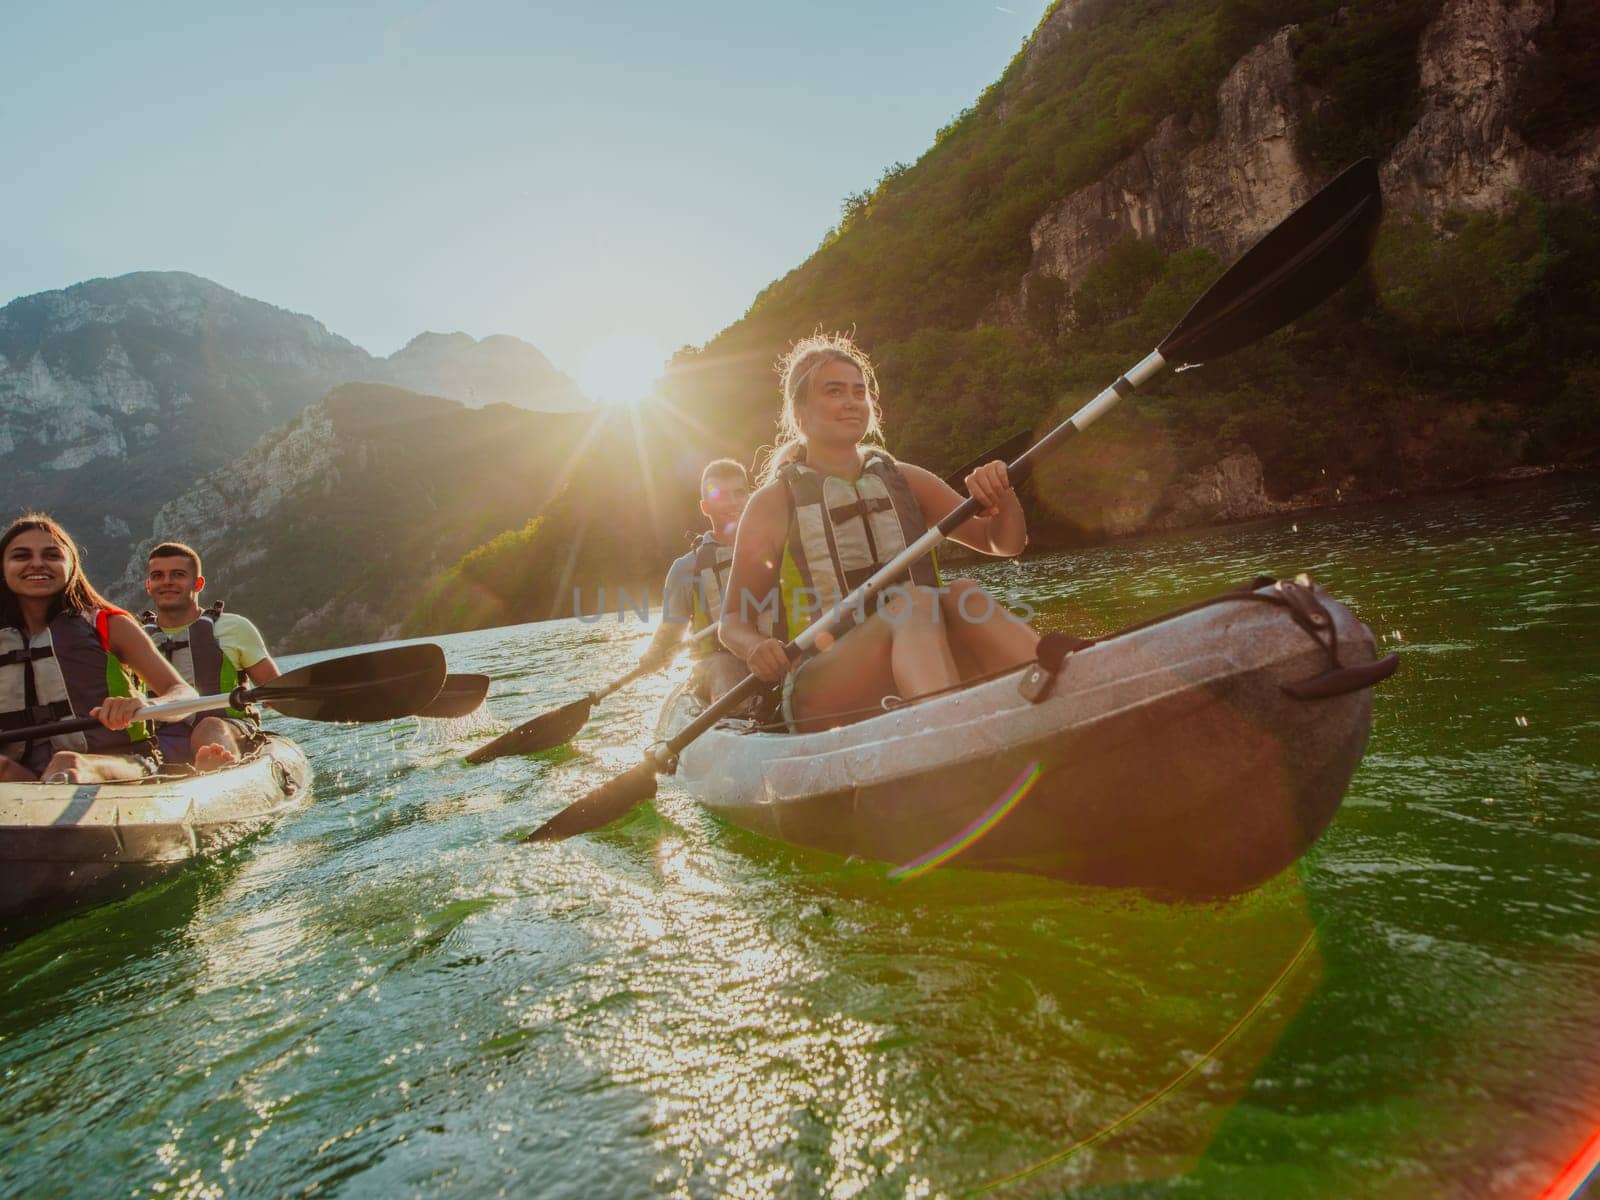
x=1340, y=680
x=1297, y=597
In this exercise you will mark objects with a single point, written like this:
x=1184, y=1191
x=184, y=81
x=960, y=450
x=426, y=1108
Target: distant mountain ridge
x=498, y=369
x=328, y=529
x=115, y=394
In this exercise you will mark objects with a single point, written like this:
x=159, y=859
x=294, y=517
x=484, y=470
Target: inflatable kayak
x=1199, y=753
x=63, y=845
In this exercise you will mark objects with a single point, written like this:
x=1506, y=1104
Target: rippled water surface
x=385, y=995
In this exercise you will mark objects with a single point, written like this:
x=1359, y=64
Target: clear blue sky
x=602, y=180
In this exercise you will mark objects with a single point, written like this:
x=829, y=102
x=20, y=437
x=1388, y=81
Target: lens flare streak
x=1581, y=1171
x=1165, y=1090
x=986, y=821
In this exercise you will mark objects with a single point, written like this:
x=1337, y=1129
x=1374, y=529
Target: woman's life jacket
x=62, y=673
x=841, y=532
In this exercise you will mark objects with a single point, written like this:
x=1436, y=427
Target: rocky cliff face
x=1221, y=188
x=116, y=393
x=304, y=454
x=103, y=368
x=1184, y=189
x=1464, y=152
x=1057, y=23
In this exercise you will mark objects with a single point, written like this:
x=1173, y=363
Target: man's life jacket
x=196, y=654
x=841, y=532
x=712, y=562
x=62, y=673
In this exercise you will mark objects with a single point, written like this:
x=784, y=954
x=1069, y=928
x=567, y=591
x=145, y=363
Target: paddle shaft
x=639, y=672
x=373, y=685
x=804, y=644
x=173, y=710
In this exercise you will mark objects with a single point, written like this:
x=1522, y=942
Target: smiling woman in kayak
x=66, y=651
x=832, y=509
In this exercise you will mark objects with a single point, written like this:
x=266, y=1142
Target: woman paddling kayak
x=833, y=508
x=66, y=651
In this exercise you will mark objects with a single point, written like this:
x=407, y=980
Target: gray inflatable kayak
x=1198, y=754
x=63, y=845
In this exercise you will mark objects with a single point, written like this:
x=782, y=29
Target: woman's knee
x=209, y=730
x=64, y=763
x=965, y=602
x=911, y=604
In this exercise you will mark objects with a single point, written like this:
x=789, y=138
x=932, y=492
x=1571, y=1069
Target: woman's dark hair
x=78, y=596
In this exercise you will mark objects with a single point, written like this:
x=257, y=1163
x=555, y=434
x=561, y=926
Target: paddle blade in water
x=1307, y=257
x=459, y=697
x=379, y=685
x=601, y=806
x=543, y=732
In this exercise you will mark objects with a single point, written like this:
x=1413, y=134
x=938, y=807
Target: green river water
x=383, y=995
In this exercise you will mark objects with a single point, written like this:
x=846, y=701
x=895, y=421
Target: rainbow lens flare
x=985, y=821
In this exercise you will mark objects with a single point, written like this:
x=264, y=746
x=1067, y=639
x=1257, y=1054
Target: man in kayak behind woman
x=66, y=651
x=832, y=509
x=213, y=650
x=691, y=597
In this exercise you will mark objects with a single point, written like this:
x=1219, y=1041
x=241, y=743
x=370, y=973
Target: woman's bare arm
x=753, y=582
x=134, y=648
x=1001, y=529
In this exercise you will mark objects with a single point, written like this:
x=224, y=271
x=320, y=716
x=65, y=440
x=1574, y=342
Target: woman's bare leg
x=213, y=745
x=92, y=768
x=921, y=658
x=12, y=771
x=983, y=632
x=855, y=672
x=900, y=650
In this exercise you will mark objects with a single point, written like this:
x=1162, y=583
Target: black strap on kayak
x=1297, y=597
x=1039, y=680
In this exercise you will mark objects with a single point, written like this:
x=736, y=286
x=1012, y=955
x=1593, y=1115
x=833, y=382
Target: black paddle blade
x=601, y=806
x=460, y=695
x=379, y=685
x=1302, y=261
x=544, y=732
x=1006, y=451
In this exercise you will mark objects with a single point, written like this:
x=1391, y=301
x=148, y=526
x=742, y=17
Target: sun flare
x=622, y=368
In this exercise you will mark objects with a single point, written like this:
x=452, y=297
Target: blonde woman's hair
x=796, y=369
